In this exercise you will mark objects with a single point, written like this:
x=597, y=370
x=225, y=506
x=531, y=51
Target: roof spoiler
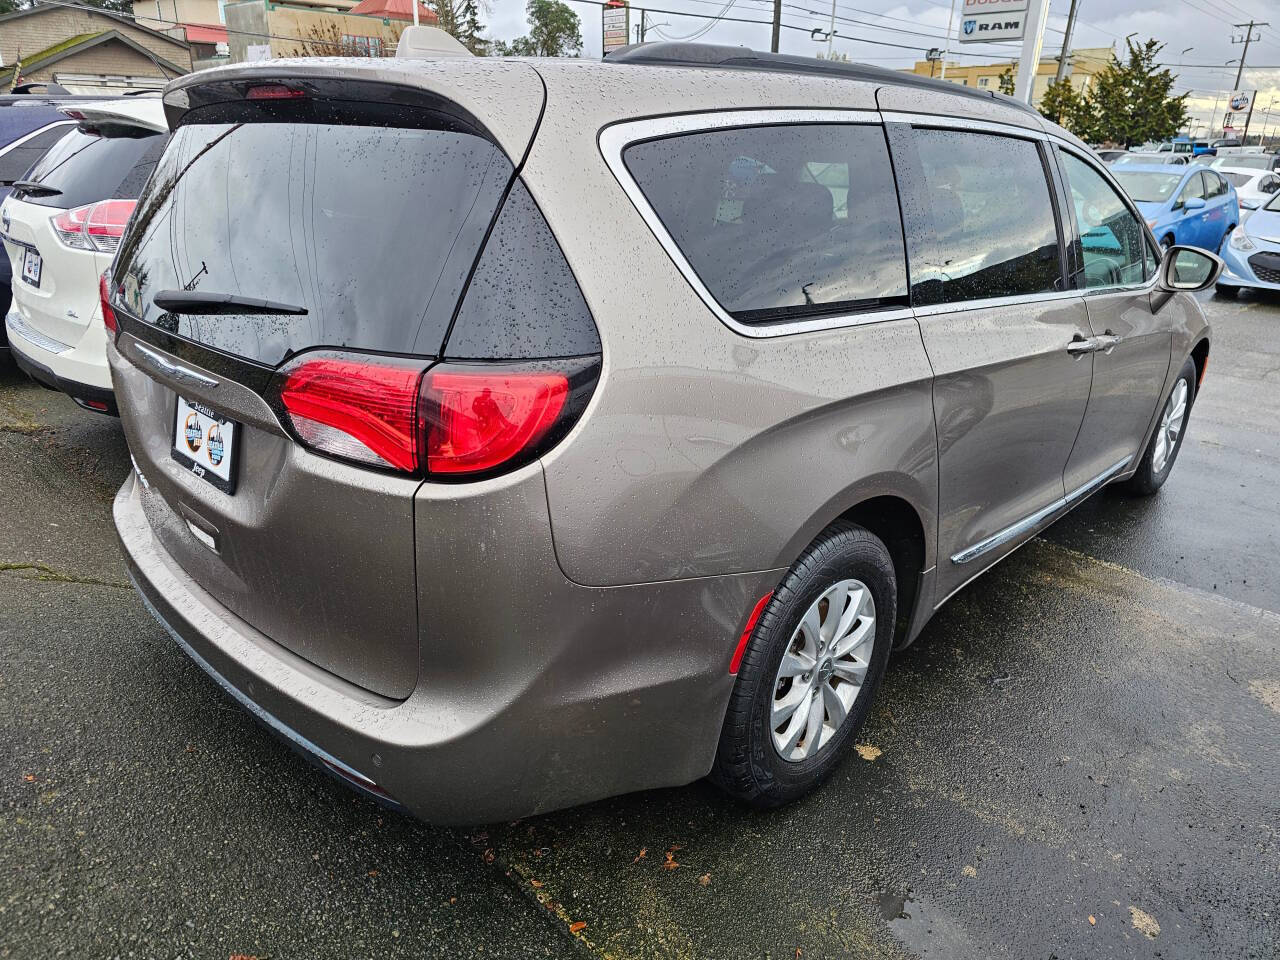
x=428, y=43
x=101, y=116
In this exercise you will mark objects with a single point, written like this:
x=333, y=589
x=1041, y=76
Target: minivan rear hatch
x=292, y=215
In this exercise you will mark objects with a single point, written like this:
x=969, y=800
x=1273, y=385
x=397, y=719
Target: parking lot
x=1077, y=758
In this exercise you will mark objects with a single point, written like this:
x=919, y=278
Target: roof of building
x=46, y=8
x=80, y=43
x=205, y=32
x=395, y=10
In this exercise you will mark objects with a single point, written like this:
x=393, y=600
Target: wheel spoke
x=795, y=663
x=854, y=670
x=856, y=601
x=837, y=601
x=813, y=728
x=791, y=736
x=811, y=628
x=863, y=632
x=787, y=706
x=835, y=706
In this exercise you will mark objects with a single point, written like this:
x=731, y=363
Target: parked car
x=1253, y=187
x=589, y=433
x=27, y=130
x=1163, y=159
x=1254, y=161
x=1252, y=252
x=1110, y=156
x=1192, y=206
x=61, y=227
x=1185, y=145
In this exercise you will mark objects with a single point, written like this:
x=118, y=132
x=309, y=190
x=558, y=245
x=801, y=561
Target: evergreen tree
x=554, y=31
x=1060, y=103
x=1006, y=82
x=1130, y=101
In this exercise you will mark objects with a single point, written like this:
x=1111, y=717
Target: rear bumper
x=79, y=371
x=615, y=689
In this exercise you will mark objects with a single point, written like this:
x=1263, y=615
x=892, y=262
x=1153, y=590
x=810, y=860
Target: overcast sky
x=1203, y=25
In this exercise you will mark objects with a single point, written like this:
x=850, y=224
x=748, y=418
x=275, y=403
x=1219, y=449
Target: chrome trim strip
x=961, y=305
x=937, y=120
x=27, y=332
x=1015, y=530
x=616, y=138
x=175, y=370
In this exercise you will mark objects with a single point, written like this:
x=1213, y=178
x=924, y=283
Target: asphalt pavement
x=1077, y=759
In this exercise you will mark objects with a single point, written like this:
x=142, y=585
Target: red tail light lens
x=476, y=420
x=95, y=226
x=357, y=410
x=272, y=91
x=104, y=294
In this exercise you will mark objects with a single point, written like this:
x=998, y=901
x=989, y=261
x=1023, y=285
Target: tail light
x=451, y=421
x=104, y=294
x=95, y=226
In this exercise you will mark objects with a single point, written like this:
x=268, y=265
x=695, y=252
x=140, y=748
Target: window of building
x=354, y=45
x=984, y=82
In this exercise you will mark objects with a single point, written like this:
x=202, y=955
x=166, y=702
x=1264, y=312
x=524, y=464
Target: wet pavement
x=1077, y=759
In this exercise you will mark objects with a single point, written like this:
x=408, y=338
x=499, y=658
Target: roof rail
x=680, y=54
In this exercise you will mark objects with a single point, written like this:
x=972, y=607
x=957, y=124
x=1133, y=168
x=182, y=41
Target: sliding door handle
x=1080, y=345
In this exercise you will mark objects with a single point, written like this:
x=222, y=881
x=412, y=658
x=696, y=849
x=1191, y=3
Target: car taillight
x=449, y=421
x=104, y=294
x=356, y=409
x=273, y=91
x=475, y=420
x=95, y=226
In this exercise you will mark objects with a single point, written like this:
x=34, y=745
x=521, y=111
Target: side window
x=17, y=160
x=1269, y=184
x=1112, y=245
x=1215, y=186
x=768, y=218
x=1193, y=188
x=993, y=235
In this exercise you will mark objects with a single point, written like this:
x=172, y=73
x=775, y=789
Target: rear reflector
x=355, y=409
x=476, y=420
x=752, y=620
x=104, y=295
x=95, y=226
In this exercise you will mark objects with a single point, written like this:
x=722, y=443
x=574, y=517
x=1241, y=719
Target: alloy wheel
x=823, y=670
x=1171, y=421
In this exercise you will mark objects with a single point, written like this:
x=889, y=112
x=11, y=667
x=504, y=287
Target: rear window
x=18, y=158
x=86, y=167
x=1148, y=187
x=371, y=230
x=1237, y=179
x=781, y=221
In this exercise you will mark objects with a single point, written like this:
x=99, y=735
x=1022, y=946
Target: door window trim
x=613, y=141
x=1060, y=146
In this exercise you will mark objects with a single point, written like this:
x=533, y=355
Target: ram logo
x=969, y=26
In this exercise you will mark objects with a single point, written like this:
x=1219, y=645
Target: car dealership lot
x=1077, y=758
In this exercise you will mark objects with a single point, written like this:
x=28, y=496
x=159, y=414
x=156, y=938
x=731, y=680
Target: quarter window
x=1193, y=189
x=780, y=222
x=994, y=232
x=1111, y=248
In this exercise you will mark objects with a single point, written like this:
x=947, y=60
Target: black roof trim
x=678, y=54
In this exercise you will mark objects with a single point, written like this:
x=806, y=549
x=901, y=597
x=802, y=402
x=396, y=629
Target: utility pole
x=1032, y=42
x=1248, y=36
x=947, y=50
x=777, y=25
x=1066, y=43
x=831, y=34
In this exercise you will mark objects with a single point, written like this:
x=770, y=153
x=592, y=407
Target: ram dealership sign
x=982, y=21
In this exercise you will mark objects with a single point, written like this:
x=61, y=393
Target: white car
x=1253, y=187
x=1164, y=156
x=61, y=227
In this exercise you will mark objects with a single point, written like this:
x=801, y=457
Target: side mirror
x=1188, y=269
x=1194, y=203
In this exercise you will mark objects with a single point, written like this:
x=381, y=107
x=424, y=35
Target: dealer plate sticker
x=205, y=442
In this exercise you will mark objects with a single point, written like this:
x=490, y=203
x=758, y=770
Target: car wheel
x=1166, y=441
x=1167, y=241
x=1223, y=290
x=1223, y=242
x=810, y=670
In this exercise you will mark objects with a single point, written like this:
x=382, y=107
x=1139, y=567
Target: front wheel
x=810, y=670
x=1166, y=441
x=1167, y=241
x=1223, y=290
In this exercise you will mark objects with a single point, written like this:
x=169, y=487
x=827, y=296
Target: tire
x=1225, y=291
x=1167, y=241
x=748, y=763
x=1223, y=242
x=1152, y=473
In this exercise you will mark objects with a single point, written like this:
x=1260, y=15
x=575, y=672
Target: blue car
x=1252, y=252
x=1191, y=206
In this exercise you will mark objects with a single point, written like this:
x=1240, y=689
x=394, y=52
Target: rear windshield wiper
x=32, y=186
x=207, y=302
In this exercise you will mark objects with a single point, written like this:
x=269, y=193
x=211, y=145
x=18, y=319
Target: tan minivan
x=513, y=433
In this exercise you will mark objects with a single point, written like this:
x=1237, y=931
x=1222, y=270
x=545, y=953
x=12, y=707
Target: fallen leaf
x=673, y=848
x=373, y=873
x=640, y=855
x=867, y=752
x=969, y=871
x=536, y=884
x=489, y=855
x=671, y=863
x=577, y=925
x=799, y=953
x=29, y=777
x=453, y=900
x=705, y=879
x=1093, y=921
x=1144, y=922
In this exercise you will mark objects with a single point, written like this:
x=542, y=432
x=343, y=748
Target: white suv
x=61, y=226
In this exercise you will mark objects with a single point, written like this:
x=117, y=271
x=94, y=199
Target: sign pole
x=1032, y=41
x=946, y=50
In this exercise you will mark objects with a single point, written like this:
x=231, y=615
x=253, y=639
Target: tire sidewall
x=1187, y=373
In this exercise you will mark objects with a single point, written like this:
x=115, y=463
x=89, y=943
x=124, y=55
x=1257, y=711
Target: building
x=1085, y=62
x=259, y=29
x=199, y=22
x=87, y=50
